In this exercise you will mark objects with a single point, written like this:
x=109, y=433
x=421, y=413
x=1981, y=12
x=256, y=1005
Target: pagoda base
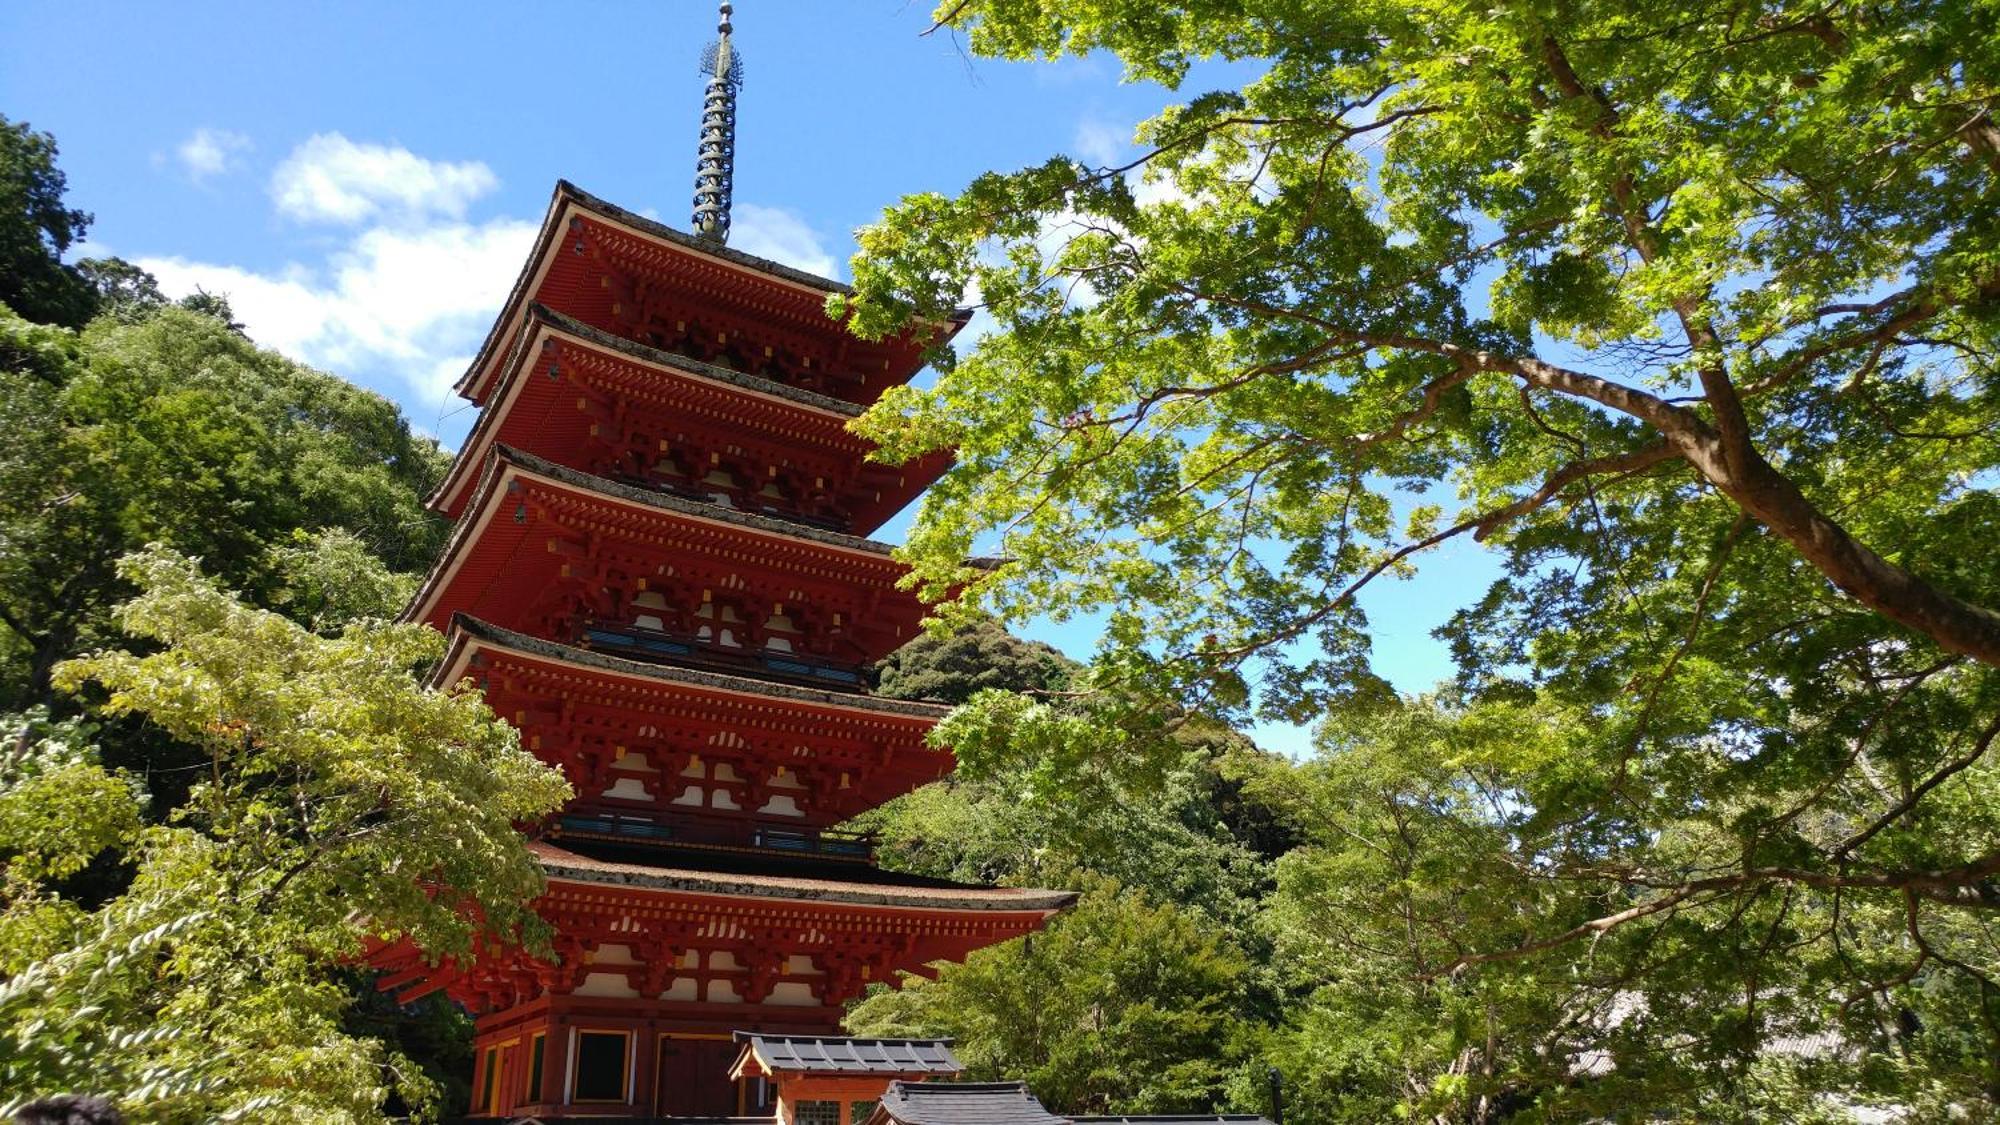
x=562, y=1056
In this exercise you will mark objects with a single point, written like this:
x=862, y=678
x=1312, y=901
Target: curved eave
x=564, y=866
x=569, y=199
x=542, y=324
x=505, y=464
x=471, y=636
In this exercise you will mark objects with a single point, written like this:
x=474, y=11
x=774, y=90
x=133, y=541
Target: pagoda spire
x=715, y=164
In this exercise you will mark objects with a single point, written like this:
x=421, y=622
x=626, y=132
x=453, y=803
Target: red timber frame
x=651, y=952
x=635, y=738
x=654, y=576
x=548, y=551
x=643, y=416
x=648, y=283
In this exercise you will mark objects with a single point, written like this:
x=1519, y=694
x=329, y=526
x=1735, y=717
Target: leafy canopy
x=171, y=427
x=1121, y=1005
x=341, y=803
x=1689, y=313
x=36, y=228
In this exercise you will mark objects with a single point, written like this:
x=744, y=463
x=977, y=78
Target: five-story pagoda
x=659, y=575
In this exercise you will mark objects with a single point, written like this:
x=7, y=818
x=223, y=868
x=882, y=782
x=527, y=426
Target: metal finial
x=715, y=164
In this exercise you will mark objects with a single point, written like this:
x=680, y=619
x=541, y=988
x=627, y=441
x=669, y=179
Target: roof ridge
x=700, y=245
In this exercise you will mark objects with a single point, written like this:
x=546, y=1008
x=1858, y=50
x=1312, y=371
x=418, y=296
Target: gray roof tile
x=964, y=1103
x=833, y=1054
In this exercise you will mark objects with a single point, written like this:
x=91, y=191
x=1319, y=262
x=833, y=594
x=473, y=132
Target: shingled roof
x=559, y=863
x=842, y=1055
x=961, y=1103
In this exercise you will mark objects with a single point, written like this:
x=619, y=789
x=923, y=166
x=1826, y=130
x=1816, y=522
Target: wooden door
x=694, y=1078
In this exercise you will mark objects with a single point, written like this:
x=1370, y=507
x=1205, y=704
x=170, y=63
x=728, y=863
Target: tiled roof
x=833, y=1054
x=701, y=509
x=561, y=863
x=694, y=242
x=964, y=1103
x=546, y=315
x=694, y=677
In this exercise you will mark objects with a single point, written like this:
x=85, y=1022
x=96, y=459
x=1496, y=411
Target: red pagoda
x=659, y=575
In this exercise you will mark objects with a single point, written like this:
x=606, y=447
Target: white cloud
x=211, y=152
x=331, y=179
x=403, y=301
x=780, y=235
x=1102, y=143
x=412, y=301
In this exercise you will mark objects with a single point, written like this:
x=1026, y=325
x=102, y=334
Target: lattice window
x=817, y=1113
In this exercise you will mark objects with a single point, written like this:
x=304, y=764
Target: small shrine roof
x=843, y=1055
x=962, y=1103
x=563, y=865
x=466, y=625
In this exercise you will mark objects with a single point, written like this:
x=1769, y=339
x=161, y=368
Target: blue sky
x=363, y=179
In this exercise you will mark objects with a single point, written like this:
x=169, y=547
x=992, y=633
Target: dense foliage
x=1689, y=312
x=171, y=427
x=1151, y=994
x=342, y=803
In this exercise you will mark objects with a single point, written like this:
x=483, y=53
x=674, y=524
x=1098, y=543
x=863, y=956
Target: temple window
x=602, y=1070
x=726, y=624
x=531, y=1084
x=816, y=1113
x=486, y=1081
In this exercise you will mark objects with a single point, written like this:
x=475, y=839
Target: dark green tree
x=175, y=429
x=131, y=294
x=954, y=666
x=1121, y=1006
x=36, y=229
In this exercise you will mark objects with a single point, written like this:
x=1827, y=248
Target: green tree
x=129, y=293
x=1121, y=1006
x=1183, y=830
x=172, y=427
x=1688, y=312
x=36, y=229
x=342, y=804
x=953, y=666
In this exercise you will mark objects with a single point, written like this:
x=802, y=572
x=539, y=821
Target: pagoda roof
x=781, y=291
x=494, y=565
x=470, y=635
x=858, y=931
x=522, y=409
x=565, y=866
x=840, y=1055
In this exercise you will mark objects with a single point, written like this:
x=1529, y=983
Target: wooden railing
x=825, y=843
x=657, y=646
